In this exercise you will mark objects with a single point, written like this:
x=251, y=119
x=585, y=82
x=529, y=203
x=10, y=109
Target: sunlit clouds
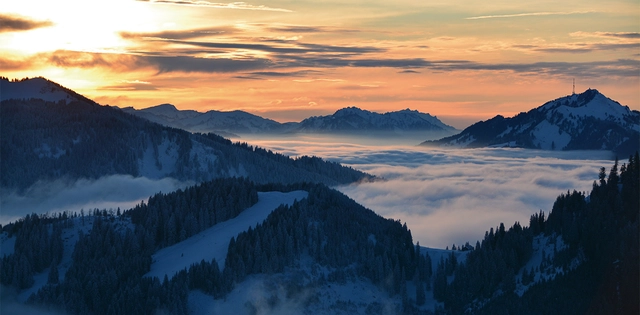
x=450, y=59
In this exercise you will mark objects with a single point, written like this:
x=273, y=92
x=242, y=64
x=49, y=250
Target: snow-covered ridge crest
x=585, y=121
x=39, y=88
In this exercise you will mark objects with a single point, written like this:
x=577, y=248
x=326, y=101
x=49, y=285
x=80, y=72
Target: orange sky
x=286, y=60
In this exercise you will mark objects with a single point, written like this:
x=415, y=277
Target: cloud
x=207, y=65
x=113, y=191
x=181, y=34
x=218, y=5
x=408, y=71
x=297, y=48
x=454, y=196
x=130, y=86
x=310, y=29
x=79, y=59
x=12, y=23
x=502, y=16
x=622, y=35
x=261, y=75
x=579, y=47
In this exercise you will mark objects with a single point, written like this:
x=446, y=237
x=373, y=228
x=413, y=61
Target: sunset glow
x=287, y=60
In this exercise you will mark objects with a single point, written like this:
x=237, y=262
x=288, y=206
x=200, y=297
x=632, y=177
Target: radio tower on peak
x=574, y=87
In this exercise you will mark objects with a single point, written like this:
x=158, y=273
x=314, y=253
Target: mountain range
x=56, y=133
x=350, y=121
x=585, y=121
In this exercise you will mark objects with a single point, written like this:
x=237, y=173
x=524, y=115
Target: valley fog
x=449, y=196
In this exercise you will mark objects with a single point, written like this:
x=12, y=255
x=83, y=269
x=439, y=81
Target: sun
x=78, y=25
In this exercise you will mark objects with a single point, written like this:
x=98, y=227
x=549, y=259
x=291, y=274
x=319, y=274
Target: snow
x=436, y=254
x=213, y=243
x=298, y=291
x=25, y=90
x=205, y=156
x=549, y=136
x=70, y=237
x=461, y=142
x=544, y=249
x=167, y=157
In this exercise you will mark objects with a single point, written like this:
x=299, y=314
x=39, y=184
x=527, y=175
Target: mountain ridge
x=237, y=122
x=585, y=121
x=73, y=137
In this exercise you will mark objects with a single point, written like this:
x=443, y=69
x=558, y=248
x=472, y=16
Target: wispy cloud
x=502, y=16
x=621, y=35
x=181, y=34
x=12, y=23
x=579, y=48
x=219, y=5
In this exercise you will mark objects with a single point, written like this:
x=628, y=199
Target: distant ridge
x=350, y=121
x=355, y=120
x=585, y=121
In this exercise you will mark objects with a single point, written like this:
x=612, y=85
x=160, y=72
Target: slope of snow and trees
x=584, y=257
x=56, y=133
x=320, y=252
x=585, y=121
x=335, y=239
x=350, y=121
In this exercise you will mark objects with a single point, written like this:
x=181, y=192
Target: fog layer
x=454, y=196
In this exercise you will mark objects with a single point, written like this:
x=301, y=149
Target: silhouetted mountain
x=222, y=123
x=586, y=121
x=353, y=120
x=51, y=132
x=347, y=121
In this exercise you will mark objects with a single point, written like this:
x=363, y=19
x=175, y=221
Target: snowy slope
x=269, y=294
x=34, y=88
x=70, y=236
x=586, y=121
x=213, y=243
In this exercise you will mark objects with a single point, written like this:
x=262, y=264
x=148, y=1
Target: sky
x=462, y=61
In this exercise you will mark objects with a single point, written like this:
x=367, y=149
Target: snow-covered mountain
x=56, y=133
x=219, y=122
x=353, y=120
x=585, y=121
x=38, y=88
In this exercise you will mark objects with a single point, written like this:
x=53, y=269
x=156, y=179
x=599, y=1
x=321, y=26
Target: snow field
x=213, y=243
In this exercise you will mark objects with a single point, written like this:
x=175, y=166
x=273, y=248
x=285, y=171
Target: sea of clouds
x=451, y=196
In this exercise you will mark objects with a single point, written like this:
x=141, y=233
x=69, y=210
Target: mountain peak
x=351, y=110
x=585, y=121
x=164, y=108
x=37, y=88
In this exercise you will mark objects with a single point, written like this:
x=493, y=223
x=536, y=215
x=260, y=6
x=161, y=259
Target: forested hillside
x=105, y=275
x=81, y=139
x=583, y=256
x=596, y=271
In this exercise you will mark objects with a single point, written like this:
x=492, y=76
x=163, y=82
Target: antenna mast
x=574, y=87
